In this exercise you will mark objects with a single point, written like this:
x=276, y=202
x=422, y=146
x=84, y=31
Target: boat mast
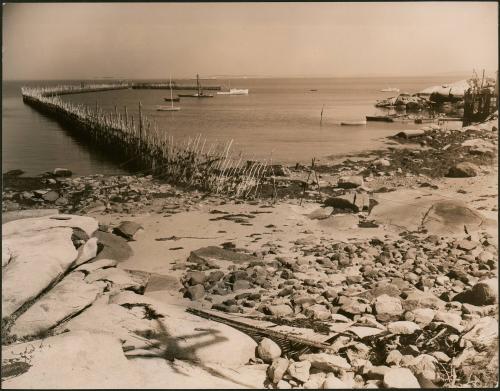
x=171, y=99
x=198, y=84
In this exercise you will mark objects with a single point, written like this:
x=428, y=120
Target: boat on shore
x=353, y=123
x=199, y=94
x=379, y=118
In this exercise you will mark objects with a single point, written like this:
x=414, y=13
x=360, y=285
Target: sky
x=154, y=40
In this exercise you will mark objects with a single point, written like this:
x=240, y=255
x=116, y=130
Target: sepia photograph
x=249, y=195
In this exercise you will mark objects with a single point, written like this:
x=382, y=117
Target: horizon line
x=296, y=76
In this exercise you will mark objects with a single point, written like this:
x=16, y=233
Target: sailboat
x=171, y=107
x=234, y=91
x=199, y=94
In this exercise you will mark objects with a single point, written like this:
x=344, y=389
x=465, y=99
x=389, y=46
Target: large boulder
x=37, y=259
x=268, y=350
x=67, y=298
x=87, y=224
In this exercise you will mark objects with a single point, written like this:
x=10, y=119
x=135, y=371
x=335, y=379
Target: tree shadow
x=187, y=350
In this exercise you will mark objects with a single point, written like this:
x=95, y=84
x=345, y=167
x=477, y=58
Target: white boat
x=171, y=107
x=234, y=91
x=390, y=89
x=353, y=123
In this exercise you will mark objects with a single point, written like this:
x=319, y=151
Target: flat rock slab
x=67, y=298
x=193, y=338
x=160, y=282
x=121, y=279
x=113, y=246
x=410, y=210
x=27, y=214
x=74, y=360
x=87, y=224
x=214, y=253
x=37, y=258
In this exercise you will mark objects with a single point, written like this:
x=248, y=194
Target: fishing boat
x=390, y=89
x=234, y=91
x=172, y=100
x=199, y=94
x=379, y=118
x=353, y=123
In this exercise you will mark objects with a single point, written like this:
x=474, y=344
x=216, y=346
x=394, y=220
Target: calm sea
x=278, y=120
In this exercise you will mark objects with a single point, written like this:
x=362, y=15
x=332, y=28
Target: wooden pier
x=190, y=162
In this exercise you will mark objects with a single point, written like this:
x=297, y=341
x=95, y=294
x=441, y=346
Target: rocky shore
x=380, y=270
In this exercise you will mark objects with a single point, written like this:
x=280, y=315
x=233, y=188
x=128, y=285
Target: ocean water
x=279, y=120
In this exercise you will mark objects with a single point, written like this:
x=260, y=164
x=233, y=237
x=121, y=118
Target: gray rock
x=333, y=382
x=51, y=196
x=62, y=172
x=400, y=378
x=483, y=293
x=127, y=229
x=277, y=369
x=402, y=327
x=241, y=284
x=354, y=202
x=388, y=308
x=268, y=350
x=325, y=361
x=300, y=370
x=350, y=182
x=278, y=310
x=463, y=170
x=195, y=292
x=113, y=246
x=196, y=277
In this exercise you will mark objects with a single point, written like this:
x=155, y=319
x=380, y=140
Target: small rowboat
x=379, y=118
x=353, y=123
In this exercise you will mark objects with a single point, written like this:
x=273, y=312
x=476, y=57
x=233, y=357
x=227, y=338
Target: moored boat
x=171, y=100
x=199, y=94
